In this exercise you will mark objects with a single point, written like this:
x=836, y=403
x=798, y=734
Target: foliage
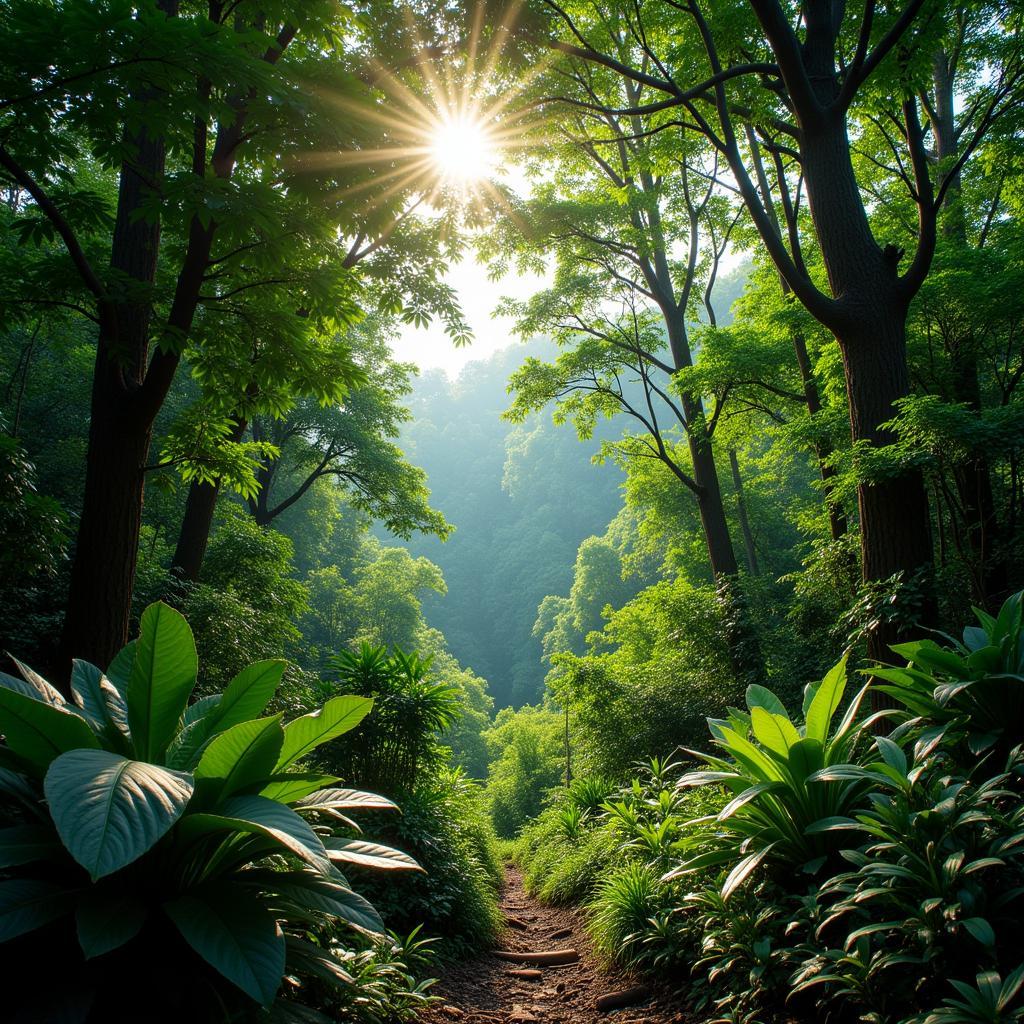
x=785, y=801
x=180, y=840
x=527, y=751
x=445, y=826
x=399, y=745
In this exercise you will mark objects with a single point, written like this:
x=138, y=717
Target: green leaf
x=97, y=696
x=347, y=800
x=108, y=810
x=247, y=694
x=244, y=754
x=371, y=855
x=27, y=904
x=892, y=754
x=33, y=685
x=742, y=871
x=776, y=732
x=119, y=671
x=236, y=936
x=162, y=678
x=825, y=702
x=260, y=816
x=761, y=697
x=106, y=919
x=289, y=787
x=981, y=930
x=336, y=717
x=39, y=732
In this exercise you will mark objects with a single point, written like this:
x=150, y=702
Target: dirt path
x=485, y=990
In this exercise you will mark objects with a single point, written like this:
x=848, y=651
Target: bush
x=445, y=826
x=854, y=881
x=527, y=750
x=150, y=845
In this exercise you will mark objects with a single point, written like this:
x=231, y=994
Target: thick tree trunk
x=198, y=521
x=868, y=319
x=106, y=549
x=103, y=570
x=894, y=514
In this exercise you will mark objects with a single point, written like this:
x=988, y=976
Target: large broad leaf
x=370, y=855
x=762, y=697
x=260, y=816
x=108, y=810
x=39, y=732
x=27, y=904
x=315, y=892
x=743, y=871
x=243, y=755
x=826, y=701
x=336, y=717
x=97, y=696
x=347, y=800
x=287, y=787
x=22, y=844
x=106, y=919
x=33, y=685
x=248, y=693
x=776, y=732
x=236, y=936
x=119, y=671
x=162, y=678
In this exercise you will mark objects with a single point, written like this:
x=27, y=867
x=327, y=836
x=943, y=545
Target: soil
x=484, y=990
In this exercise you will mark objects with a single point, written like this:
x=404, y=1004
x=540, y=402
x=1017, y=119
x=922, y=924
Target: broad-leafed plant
x=179, y=839
x=782, y=809
x=969, y=696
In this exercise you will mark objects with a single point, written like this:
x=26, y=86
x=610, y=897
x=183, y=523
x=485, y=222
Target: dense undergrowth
x=151, y=840
x=828, y=861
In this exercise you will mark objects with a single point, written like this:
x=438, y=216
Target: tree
x=170, y=150
x=800, y=78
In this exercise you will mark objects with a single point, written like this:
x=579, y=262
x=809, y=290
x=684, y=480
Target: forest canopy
x=694, y=597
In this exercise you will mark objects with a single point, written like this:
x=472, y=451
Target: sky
x=430, y=348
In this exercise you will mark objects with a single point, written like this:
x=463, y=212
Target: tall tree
x=226, y=129
x=800, y=75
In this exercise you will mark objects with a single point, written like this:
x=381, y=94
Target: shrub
x=155, y=846
x=445, y=826
x=400, y=743
x=784, y=803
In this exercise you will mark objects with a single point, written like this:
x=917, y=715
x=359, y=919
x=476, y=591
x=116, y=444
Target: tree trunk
x=120, y=427
x=198, y=521
x=741, y=508
x=868, y=318
x=103, y=570
x=894, y=514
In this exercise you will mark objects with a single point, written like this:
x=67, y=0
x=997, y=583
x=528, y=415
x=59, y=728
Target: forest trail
x=492, y=989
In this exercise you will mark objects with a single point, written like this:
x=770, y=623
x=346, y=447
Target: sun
x=462, y=150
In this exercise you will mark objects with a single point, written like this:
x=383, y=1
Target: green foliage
x=969, y=696
x=178, y=839
x=786, y=798
x=445, y=826
x=911, y=850
x=399, y=745
x=527, y=750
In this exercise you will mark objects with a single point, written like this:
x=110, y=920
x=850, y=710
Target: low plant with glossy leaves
x=181, y=845
x=782, y=805
x=967, y=696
